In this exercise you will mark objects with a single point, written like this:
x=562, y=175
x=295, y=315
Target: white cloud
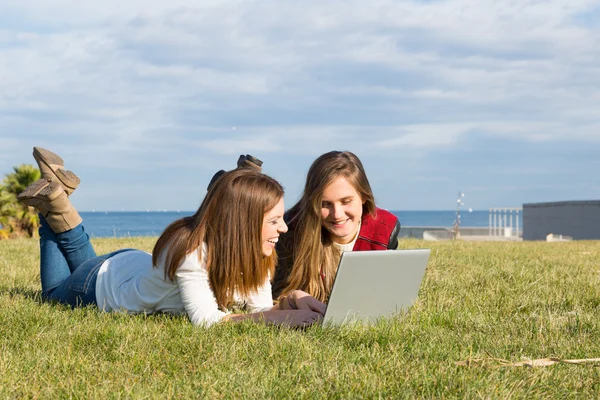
x=426, y=135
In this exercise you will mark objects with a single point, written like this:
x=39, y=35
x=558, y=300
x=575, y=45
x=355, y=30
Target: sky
x=146, y=99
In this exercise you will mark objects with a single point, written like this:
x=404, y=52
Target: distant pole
x=495, y=222
x=456, y=225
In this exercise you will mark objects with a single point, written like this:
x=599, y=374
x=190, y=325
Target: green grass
x=511, y=301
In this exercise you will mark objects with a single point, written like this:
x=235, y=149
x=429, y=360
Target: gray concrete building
x=577, y=219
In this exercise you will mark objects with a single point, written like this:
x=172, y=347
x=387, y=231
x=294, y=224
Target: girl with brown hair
x=202, y=265
x=336, y=213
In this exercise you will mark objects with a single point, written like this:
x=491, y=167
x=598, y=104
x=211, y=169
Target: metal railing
x=501, y=221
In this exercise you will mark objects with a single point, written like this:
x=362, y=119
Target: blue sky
x=145, y=100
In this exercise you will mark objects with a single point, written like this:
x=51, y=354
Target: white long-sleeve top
x=128, y=282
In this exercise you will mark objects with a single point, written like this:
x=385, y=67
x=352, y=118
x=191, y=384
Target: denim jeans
x=69, y=265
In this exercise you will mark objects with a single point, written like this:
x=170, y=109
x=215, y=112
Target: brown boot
x=52, y=167
x=248, y=161
x=50, y=199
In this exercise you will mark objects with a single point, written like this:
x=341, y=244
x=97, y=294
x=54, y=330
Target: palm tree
x=17, y=219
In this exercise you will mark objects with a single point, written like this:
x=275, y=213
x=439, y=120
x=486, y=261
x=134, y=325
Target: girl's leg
x=79, y=289
x=64, y=245
x=54, y=268
x=69, y=266
x=61, y=254
x=76, y=247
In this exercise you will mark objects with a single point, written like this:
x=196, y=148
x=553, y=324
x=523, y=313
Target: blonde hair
x=229, y=221
x=315, y=258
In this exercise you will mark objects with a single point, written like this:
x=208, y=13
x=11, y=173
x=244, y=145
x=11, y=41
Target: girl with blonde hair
x=336, y=213
x=202, y=265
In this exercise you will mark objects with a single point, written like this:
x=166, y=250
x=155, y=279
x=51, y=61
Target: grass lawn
x=511, y=301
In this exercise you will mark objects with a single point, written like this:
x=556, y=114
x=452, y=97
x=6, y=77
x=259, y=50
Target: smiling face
x=341, y=210
x=273, y=226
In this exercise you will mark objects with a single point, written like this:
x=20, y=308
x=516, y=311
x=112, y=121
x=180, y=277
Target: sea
x=152, y=223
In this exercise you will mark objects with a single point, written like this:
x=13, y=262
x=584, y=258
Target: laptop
x=373, y=284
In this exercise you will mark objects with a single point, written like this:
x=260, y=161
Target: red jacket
x=376, y=233
x=379, y=232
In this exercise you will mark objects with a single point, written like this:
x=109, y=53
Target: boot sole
x=41, y=187
x=56, y=164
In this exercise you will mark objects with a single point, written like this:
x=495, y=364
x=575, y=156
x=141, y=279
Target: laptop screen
x=373, y=284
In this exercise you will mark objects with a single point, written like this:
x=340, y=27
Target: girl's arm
x=291, y=318
x=202, y=309
x=260, y=305
x=299, y=300
x=196, y=294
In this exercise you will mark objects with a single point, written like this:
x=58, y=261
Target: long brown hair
x=229, y=221
x=315, y=257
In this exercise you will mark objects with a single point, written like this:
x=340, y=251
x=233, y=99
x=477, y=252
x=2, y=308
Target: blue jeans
x=69, y=265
